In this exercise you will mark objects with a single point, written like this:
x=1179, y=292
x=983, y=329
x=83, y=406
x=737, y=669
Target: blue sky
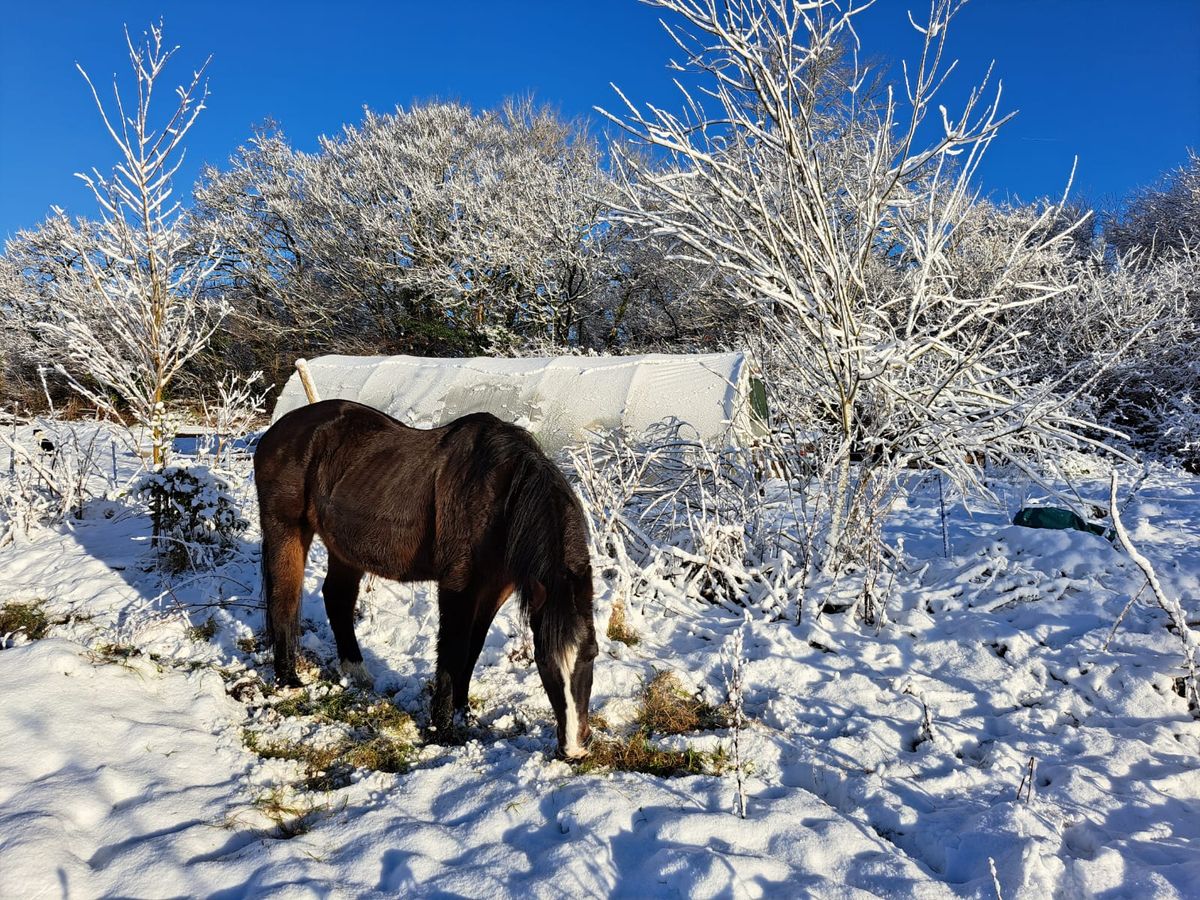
x=1115, y=82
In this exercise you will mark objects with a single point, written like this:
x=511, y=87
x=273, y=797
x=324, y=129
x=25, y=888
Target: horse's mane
x=541, y=505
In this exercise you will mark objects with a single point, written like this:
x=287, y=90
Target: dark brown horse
x=474, y=505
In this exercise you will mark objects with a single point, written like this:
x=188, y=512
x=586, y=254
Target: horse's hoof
x=448, y=730
x=358, y=675
x=445, y=737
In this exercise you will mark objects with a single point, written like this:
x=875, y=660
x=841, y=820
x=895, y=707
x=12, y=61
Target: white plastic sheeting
x=559, y=399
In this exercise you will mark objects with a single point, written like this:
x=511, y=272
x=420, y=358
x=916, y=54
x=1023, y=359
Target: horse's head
x=564, y=639
x=568, y=683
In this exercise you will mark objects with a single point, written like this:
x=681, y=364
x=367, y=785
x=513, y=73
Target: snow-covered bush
x=50, y=470
x=196, y=519
x=1123, y=341
x=672, y=516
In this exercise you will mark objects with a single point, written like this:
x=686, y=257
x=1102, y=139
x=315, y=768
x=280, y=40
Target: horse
x=474, y=505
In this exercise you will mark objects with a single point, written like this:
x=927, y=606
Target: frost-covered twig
x=1026, y=785
x=1169, y=604
x=1121, y=616
x=733, y=671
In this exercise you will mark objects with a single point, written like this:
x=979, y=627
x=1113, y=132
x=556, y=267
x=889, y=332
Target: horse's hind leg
x=285, y=550
x=341, y=594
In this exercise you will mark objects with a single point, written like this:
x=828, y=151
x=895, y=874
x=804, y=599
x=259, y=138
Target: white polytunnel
x=559, y=399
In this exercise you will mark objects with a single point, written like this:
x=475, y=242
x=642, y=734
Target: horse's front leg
x=485, y=603
x=454, y=625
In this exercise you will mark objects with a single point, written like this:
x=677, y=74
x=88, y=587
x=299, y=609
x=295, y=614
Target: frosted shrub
x=49, y=471
x=1150, y=307
x=667, y=510
x=1161, y=219
x=241, y=400
x=196, y=521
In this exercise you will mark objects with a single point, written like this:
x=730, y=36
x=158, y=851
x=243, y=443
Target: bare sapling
x=241, y=400
x=126, y=321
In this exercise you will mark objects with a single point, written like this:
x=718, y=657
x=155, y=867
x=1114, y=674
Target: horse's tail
x=546, y=552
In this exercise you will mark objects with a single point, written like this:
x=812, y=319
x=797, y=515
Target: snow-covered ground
x=883, y=761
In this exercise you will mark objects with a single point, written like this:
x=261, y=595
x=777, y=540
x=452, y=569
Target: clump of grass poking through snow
x=378, y=736
x=29, y=619
x=205, y=631
x=669, y=708
x=638, y=754
x=354, y=709
x=292, y=817
x=248, y=645
x=618, y=627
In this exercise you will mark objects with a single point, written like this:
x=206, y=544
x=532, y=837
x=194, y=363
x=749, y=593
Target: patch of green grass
x=666, y=708
x=322, y=771
x=380, y=754
x=331, y=767
x=381, y=737
x=352, y=708
x=29, y=619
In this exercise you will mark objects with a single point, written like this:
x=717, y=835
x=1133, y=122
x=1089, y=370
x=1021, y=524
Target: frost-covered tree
x=124, y=308
x=430, y=229
x=12, y=289
x=657, y=300
x=826, y=214
x=1163, y=219
x=41, y=260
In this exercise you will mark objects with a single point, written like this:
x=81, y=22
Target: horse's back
x=406, y=503
x=294, y=434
